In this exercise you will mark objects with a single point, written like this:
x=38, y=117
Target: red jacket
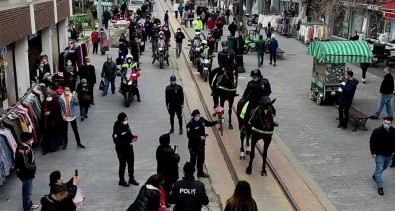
x=95, y=37
x=210, y=24
x=162, y=200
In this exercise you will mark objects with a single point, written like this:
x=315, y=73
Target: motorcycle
x=161, y=53
x=129, y=84
x=249, y=45
x=204, y=66
x=194, y=52
x=252, y=20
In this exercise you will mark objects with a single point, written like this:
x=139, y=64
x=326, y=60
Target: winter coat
x=73, y=103
x=123, y=139
x=82, y=93
x=67, y=203
x=148, y=199
x=167, y=161
x=382, y=141
x=188, y=194
x=49, y=204
x=88, y=72
x=387, y=86
x=109, y=70
x=25, y=165
x=348, y=91
x=273, y=45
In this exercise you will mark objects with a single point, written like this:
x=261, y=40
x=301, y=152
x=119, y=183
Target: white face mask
x=196, y=118
x=49, y=99
x=88, y=63
x=69, y=63
x=129, y=60
x=30, y=142
x=67, y=92
x=125, y=122
x=255, y=78
x=41, y=65
x=172, y=82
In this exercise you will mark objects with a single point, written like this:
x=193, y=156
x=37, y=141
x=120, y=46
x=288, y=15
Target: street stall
x=329, y=65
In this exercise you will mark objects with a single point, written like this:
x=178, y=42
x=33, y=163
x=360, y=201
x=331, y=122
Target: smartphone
x=175, y=147
x=76, y=173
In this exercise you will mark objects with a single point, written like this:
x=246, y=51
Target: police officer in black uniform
x=225, y=57
x=256, y=89
x=188, y=194
x=197, y=136
x=174, y=102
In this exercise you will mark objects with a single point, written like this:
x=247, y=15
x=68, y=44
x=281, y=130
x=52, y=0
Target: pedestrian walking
x=51, y=117
x=382, y=148
x=84, y=98
x=188, y=194
x=88, y=72
x=179, y=36
x=103, y=42
x=273, y=45
x=70, y=74
x=25, y=169
x=180, y=10
x=95, y=40
x=106, y=18
x=241, y=200
x=197, y=140
x=364, y=67
x=167, y=159
x=260, y=50
x=52, y=201
x=123, y=139
x=68, y=103
x=175, y=9
x=346, y=97
x=174, y=95
x=109, y=73
x=56, y=180
x=185, y=19
x=232, y=28
x=386, y=90
x=166, y=18
x=149, y=196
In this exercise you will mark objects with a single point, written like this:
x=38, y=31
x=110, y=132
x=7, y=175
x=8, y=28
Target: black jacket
x=174, y=96
x=88, y=72
x=197, y=129
x=232, y=27
x=147, y=200
x=387, y=86
x=348, y=91
x=25, y=165
x=166, y=18
x=167, y=162
x=179, y=36
x=123, y=139
x=225, y=59
x=49, y=204
x=67, y=203
x=382, y=142
x=109, y=70
x=188, y=194
x=257, y=89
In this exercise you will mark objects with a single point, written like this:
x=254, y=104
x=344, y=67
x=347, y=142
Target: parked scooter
x=252, y=20
x=249, y=45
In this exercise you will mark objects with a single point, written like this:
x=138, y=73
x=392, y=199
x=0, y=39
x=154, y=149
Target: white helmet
x=161, y=33
x=129, y=56
x=204, y=42
x=197, y=34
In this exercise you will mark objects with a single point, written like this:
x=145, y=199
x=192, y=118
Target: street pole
x=100, y=13
x=239, y=56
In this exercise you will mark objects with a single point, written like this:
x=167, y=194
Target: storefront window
x=6, y=64
x=357, y=20
x=340, y=27
x=377, y=25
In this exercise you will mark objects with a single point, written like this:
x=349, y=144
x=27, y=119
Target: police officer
x=256, y=89
x=188, y=194
x=174, y=102
x=197, y=136
x=130, y=64
x=225, y=57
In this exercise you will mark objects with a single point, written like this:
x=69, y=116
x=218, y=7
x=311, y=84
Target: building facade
x=29, y=27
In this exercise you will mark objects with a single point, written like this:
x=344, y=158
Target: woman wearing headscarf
x=51, y=121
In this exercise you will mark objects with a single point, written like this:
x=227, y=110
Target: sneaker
x=171, y=131
x=123, y=183
x=373, y=117
x=35, y=206
x=81, y=146
x=86, y=116
x=92, y=103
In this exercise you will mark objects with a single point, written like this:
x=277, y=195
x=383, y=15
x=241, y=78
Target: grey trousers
x=178, y=49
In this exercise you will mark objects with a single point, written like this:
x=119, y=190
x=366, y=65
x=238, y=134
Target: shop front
x=8, y=94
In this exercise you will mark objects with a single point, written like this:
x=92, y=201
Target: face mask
x=49, y=99
x=255, y=78
x=69, y=63
x=386, y=126
x=129, y=60
x=84, y=85
x=41, y=65
x=178, y=31
x=125, y=122
x=109, y=61
x=224, y=49
x=67, y=92
x=88, y=63
x=196, y=118
x=173, y=83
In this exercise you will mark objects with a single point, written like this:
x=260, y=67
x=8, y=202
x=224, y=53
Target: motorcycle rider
x=122, y=49
x=161, y=38
x=256, y=89
x=204, y=53
x=133, y=65
x=211, y=41
x=217, y=36
x=154, y=36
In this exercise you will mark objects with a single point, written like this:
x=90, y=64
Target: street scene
x=197, y=105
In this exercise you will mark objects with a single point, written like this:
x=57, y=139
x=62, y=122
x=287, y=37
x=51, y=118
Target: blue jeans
x=382, y=163
x=260, y=58
x=385, y=100
x=84, y=110
x=106, y=84
x=27, y=187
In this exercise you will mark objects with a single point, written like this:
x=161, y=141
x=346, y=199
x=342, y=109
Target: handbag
x=79, y=198
x=101, y=86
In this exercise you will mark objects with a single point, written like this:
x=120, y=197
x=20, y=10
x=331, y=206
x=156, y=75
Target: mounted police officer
x=196, y=134
x=226, y=58
x=129, y=63
x=256, y=89
x=174, y=102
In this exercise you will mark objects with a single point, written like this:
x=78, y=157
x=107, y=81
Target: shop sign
x=373, y=7
x=5, y=104
x=32, y=36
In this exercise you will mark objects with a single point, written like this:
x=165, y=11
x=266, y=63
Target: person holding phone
x=167, y=159
x=123, y=139
x=55, y=180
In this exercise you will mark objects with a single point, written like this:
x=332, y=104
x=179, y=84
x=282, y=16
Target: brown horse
x=260, y=126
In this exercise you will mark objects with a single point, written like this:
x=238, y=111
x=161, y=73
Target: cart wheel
x=312, y=95
x=318, y=101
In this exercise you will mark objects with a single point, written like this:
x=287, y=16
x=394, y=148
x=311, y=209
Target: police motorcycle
x=161, y=52
x=249, y=45
x=205, y=61
x=129, y=74
x=194, y=51
x=122, y=49
x=252, y=19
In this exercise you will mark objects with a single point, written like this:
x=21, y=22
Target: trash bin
x=231, y=42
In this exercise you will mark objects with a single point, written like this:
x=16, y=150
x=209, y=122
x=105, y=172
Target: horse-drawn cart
x=329, y=63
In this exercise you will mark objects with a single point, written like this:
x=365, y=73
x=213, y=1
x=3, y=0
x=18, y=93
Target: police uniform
x=174, y=102
x=254, y=91
x=188, y=194
x=124, y=68
x=225, y=59
x=195, y=132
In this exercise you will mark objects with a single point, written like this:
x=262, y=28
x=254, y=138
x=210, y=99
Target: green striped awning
x=103, y=3
x=340, y=52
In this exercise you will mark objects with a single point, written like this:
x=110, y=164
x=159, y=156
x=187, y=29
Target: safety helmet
x=204, y=42
x=161, y=33
x=197, y=34
x=84, y=81
x=173, y=78
x=129, y=56
x=224, y=43
x=255, y=72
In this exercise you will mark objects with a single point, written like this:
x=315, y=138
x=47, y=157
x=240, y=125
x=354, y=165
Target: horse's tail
x=239, y=108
